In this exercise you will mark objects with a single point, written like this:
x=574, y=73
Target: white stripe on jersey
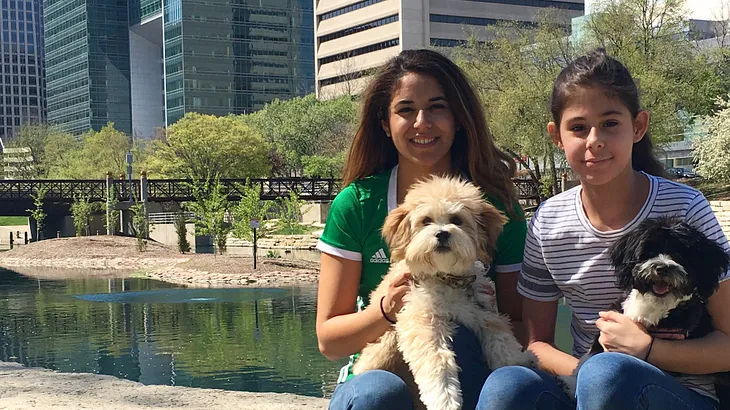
x=566, y=256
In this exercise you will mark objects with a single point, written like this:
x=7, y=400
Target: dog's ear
x=711, y=264
x=397, y=232
x=490, y=222
x=621, y=253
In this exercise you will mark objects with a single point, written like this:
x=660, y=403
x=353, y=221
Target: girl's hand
x=623, y=335
x=393, y=302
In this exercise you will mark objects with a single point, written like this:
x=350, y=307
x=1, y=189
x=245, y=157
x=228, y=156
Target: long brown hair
x=597, y=69
x=473, y=152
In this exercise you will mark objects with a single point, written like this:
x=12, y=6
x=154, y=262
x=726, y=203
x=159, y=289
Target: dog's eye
x=455, y=220
x=426, y=220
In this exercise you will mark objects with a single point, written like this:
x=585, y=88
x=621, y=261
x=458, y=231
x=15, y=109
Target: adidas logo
x=379, y=257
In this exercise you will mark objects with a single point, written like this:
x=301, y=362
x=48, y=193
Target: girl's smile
x=421, y=123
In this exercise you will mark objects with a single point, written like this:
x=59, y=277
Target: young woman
x=599, y=125
x=420, y=116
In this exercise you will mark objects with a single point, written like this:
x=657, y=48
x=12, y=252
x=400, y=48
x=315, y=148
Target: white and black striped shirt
x=566, y=256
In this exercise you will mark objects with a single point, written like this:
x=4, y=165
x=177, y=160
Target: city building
x=22, y=86
x=87, y=64
x=143, y=64
x=355, y=37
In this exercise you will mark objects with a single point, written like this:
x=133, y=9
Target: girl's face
x=597, y=133
x=421, y=123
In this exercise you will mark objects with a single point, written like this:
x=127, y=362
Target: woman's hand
x=623, y=335
x=393, y=301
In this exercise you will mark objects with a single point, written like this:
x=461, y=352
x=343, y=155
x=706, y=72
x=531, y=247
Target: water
x=260, y=340
x=152, y=332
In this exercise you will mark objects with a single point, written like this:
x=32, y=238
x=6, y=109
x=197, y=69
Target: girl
x=420, y=117
x=602, y=130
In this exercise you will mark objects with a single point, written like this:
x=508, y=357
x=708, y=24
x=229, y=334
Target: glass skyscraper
x=87, y=64
x=22, y=87
x=162, y=59
x=234, y=56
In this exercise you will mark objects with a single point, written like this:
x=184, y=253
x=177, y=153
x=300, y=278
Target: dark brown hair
x=473, y=152
x=597, y=69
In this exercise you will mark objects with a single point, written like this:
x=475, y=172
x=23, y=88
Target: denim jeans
x=378, y=389
x=606, y=381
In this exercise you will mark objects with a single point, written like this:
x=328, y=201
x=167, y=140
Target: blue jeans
x=606, y=381
x=378, y=389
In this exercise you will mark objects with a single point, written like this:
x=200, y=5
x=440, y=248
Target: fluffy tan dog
x=440, y=234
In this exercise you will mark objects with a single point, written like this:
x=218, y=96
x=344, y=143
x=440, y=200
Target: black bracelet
x=648, y=352
x=386, y=316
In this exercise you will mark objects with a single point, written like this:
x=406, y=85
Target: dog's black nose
x=442, y=236
x=661, y=269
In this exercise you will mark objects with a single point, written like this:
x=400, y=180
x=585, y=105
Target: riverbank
x=67, y=258
x=34, y=388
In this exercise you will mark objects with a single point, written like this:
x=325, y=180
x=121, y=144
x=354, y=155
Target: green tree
x=210, y=208
x=249, y=207
x=304, y=127
x=37, y=213
x=140, y=224
x=60, y=152
x=181, y=230
x=678, y=80
x=112, y=224
x=290, y=212
x=206, y=146
x=101, y=152
x=81, y=210
x=514, y=74
x=36, y=137
x=711, y=152
x=515, y=71
x=324, y=167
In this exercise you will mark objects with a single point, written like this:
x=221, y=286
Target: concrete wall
x=315, y=213
x=148, y=96
x=722, y=212
x=165, y=234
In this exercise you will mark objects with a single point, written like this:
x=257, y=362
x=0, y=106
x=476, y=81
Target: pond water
x=154, y=333
x=259, y=340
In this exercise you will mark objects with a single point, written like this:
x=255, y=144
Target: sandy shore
x=33, y=388
x=66, y=258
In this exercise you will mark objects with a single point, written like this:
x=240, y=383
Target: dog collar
x=456, y=281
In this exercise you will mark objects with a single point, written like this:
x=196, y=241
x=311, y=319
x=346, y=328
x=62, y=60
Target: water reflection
x=155, y=333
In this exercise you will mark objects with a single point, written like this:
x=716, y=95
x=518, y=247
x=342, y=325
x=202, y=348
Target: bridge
x=16, y=195
x=16, y=199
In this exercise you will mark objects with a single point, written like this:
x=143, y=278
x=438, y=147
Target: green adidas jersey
x=353, y=231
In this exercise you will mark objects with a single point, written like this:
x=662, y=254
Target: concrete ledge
x=36, y=388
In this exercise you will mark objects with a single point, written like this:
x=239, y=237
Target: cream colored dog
x=440, y=234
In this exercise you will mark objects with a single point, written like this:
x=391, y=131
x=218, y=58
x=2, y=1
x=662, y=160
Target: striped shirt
x=566, y=256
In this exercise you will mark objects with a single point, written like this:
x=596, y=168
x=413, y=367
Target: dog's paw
x=527, y=359
x=568, y=385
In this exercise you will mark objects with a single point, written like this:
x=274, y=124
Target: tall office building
x=175, y=56
x=356, y=36
x=87, y=64
x=234, y=56
x=22, y=87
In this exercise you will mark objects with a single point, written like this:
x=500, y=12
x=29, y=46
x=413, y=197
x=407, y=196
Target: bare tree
x=721, y=24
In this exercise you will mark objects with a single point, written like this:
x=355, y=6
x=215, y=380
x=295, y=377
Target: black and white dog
x=667, y=270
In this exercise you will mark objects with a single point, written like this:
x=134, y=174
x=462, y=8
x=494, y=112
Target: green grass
x=13, y=220
x=713, y=190
x=295, y=230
